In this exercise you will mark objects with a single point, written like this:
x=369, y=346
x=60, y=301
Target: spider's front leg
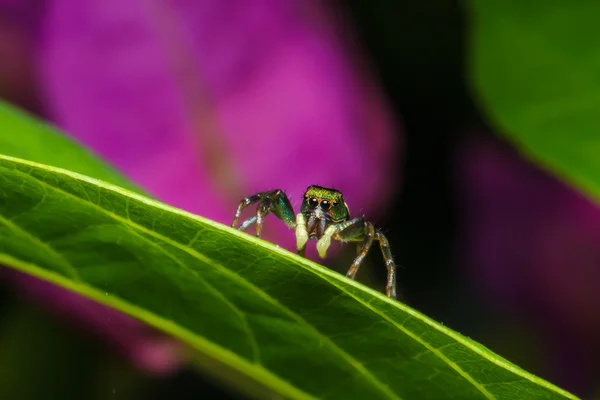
x=359, y=230
x=274, y=201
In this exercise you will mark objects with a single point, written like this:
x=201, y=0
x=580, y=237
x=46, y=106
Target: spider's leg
x=362, y=232
x=263, y=209
x=355, y=232
x=247, y=223
x=274, y=201
x=277, y=202
x=245, y=203
x=390, y=289
x=368, y=234
x=282, y=208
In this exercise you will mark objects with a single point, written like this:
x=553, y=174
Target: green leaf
x=25, y=137
x=258, y=317
x=284, y=322
x=535, y=68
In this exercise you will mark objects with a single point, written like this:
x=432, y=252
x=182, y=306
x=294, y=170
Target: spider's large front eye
x=313, y=202
x=325, y=205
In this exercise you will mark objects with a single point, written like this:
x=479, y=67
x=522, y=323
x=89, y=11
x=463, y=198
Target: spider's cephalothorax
x=323, y=216
x=320, y=208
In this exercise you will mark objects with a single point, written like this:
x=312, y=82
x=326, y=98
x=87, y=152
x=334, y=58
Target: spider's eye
x=313, y=202
x=325, y=205
x=335, y=203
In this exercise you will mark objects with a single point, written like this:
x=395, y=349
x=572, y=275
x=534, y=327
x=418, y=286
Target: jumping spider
x=323, y=216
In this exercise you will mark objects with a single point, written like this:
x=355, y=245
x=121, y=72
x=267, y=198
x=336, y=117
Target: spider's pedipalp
x=301, y=234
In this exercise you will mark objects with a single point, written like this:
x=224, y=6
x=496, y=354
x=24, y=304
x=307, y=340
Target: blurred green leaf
x=23, y=136
x=535, y=66
x=258, y=316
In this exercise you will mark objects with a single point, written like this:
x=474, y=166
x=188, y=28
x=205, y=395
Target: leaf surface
x=288, y=323
x=258, y=316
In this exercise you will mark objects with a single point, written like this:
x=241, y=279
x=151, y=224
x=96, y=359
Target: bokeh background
x=204, y=102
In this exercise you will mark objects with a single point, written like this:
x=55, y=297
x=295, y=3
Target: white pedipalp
x=301, y=232
x=325, y=241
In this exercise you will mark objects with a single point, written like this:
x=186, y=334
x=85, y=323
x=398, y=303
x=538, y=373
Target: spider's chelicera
x=323, y=216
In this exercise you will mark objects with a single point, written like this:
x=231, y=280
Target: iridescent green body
x=324, y=215
x=329, y=199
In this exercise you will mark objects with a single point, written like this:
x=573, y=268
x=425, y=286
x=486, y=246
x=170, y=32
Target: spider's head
x=325, y=203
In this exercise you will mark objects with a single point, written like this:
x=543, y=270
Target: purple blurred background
x=204, y=102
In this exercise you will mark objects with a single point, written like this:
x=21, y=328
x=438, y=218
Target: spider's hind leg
x=390, y=289
x=359, y=230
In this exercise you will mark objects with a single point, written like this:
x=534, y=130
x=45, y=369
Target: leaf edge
x=309, y=265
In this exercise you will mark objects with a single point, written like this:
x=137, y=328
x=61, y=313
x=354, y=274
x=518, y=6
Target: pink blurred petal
x=532, y=246
x=190, y=98
x=18, y=22
x=531, y=237
x=205, y=102
x=152, y=352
